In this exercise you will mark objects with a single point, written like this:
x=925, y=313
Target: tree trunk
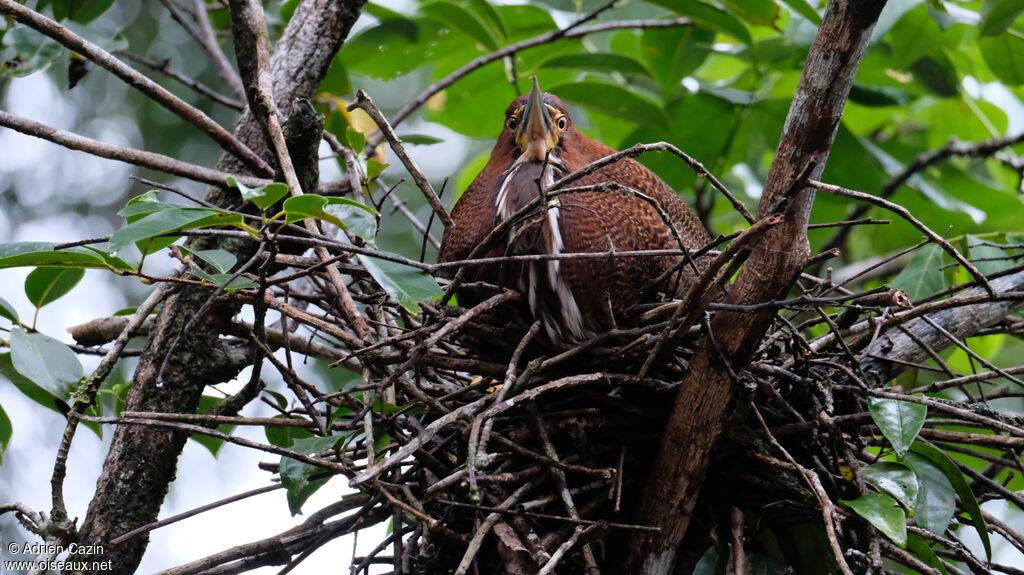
x=176, y=366
x=707, y=392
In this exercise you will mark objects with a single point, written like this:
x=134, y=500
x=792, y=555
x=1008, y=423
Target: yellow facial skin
x=538, y=127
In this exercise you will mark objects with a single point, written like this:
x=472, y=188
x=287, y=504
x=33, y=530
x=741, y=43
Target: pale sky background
x=28, y=462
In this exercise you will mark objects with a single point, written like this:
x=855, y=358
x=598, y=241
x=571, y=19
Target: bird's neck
x=525, y=180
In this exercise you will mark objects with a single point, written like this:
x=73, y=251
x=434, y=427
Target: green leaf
x=899, y=421
x=709, y=16
x=30, y=389
x=920, y=549
x=936, y=500
x=757, y=12
x=465, y=21
x=45, y=285
x=1004, y=55
x=112, y=262
x=881, y=511
x=170, y=220
x=599, y=62
x=143, y=204
x=336, y=82
x=22, y=254
x=490, y=15
x=297, y=208
x=358, y=218
x=937, y=74
x=420, y=139
x=347, y=214
x=923, y=275
x=615, y=101
x=893, y=478
x=709, y=562
x=998, y=15
x=295, y=475
x=878, y=95
x=263, y=196
x=33, y=52
x=220, y=260
x=395, y=47
x=356, y=139
x=213, y=444
x=938, y=11
x=45, y=362
x=281, y=400
x=804, y=8
x=915, y=35
x=6, y=430
x=988, y=259
x=285, y=436
x=7, y=310
x=406, y=285
x=374, y=168
x=381, y=13
x=963, y=490
x=671, y=54
x=222, y=280
x=85, y=11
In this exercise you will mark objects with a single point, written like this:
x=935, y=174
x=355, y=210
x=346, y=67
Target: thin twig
x=133, y=78
x=151, y=160
x=546, y=38
x=906, y=215
x=363, y=102
x=164, y=67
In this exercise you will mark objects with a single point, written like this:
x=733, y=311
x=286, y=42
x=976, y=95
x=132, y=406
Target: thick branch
x=174, y=370
x=707, y=391
x=885, y=357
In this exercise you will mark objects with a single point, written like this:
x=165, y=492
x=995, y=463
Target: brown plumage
x=574, y=298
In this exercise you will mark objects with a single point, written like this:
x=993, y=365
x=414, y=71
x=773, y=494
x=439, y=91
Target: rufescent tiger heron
x=574, y=298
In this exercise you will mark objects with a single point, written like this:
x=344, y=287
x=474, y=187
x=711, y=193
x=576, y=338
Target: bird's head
x=537, y=123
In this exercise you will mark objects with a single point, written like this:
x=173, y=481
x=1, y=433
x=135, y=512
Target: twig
x=141, y=158
x=467, y=410
x=564, y=548
x=906, y=215
x=86, y=396
x=925, y=160
x=193, y=512
x=828, y=511
x=207, y=38
x=699, y=291
x=164, y=67
x=133, y=78
x=485, y=527
x=201, y=430
x=249, y=27
x=640, y=149
x=548, y=516
x=559, y=479
x=849, y=223
x=363, y=102
x=546, y=38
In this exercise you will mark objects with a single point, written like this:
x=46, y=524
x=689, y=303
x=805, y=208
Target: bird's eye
x=512, y=123
x=561, y=122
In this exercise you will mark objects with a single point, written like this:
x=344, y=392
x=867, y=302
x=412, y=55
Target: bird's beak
x=536, y=136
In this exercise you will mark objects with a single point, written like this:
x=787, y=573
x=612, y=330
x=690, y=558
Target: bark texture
x=171, y=376
x=707, y=392
x=893, y=353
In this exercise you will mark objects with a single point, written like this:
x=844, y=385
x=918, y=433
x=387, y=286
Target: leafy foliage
x=936, y=73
